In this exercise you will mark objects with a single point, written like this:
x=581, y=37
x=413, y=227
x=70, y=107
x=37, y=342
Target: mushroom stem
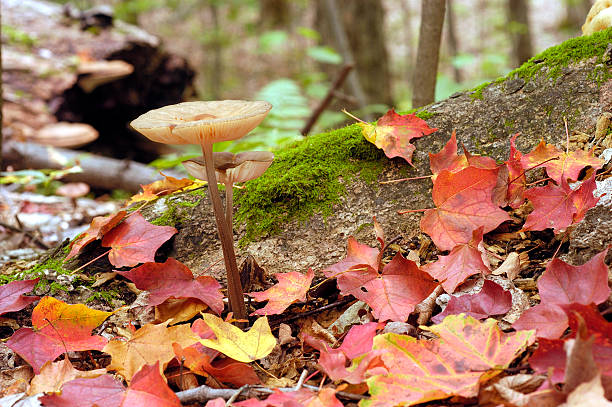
x=229, y=206
x=234, y=286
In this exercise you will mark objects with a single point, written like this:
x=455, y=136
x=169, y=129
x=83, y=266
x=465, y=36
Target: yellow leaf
x=246, y=347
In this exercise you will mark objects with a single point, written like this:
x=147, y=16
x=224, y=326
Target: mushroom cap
x=195, y=122
x=231, y=168
x=73, y=190
x=65, y=134
x=96, y=73
x=599, y=17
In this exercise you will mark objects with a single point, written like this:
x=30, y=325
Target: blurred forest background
x=286, y=51
x=289, y=52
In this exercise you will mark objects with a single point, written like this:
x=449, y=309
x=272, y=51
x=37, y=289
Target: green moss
x=309, y=177
x=188, y=204
x=558, y=57
x=554, y=59
x=176, y=212
x=477, y=91
x=421, y=113
x=103, y=296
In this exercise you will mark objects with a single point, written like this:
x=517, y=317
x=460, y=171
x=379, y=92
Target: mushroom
x=73, y=190
x=65, y=134
x=205, y=123
x=231, y=168
x=95, y=73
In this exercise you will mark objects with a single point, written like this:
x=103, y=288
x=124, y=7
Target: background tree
x=575, y=13
x=428, y=51
x=363, y=26
x=274, y=14
x=518, y=24
x=451, y=37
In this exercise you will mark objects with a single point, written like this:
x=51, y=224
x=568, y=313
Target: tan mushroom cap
x=65, y=134
x=97, y=73
x=232, y=168
x=599, y=17
x=73, y=190
x=195, y=122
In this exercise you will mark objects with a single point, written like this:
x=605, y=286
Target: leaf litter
x=382, y=356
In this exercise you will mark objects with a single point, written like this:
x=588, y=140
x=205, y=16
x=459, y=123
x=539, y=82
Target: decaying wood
x=44, y=81
x=98, y=172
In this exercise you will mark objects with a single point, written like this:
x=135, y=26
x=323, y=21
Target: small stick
x=301, y=380
x=327, y=99
x=405, y=179
x=314, y=311
x=235, y=395
x=411, y=211
x=92, y=260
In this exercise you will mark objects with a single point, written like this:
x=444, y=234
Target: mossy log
x=326, y=188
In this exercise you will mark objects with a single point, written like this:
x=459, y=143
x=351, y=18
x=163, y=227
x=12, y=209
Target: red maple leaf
x=565, y=166
x=12, y=298
x=148, y=388
x=551, y=354
x=558, y=206
x=447, y=159
x=463, y=261
x=358, y=342
x=173, y=279
x=516, y=176
x=392, y=294
x=291, y=287
x=101, y=391
x=57, y=328
x=563, y=284
x=99, y=226
x=135, y=241
x=393, y=132
x=464, y=202
x=392, y=291
x=326, y=397
x=225, y=370
x=492, y=299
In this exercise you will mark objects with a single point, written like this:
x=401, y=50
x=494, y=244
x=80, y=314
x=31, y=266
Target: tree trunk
x=426, y=69
x=356, y=30
x=575, y=14
x=520, y=35
x=274, y=15
x=453, y=46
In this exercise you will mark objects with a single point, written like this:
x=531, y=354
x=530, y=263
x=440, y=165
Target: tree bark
x=426, y=67
x=520, y=34
x=274, y=15
x=98, y=172
x=453, y=45
x=356, y=30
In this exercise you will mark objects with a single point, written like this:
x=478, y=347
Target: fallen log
x=299, y=214
x=98, y=171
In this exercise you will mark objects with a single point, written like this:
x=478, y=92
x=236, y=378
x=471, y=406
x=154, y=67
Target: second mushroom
x=230, y=169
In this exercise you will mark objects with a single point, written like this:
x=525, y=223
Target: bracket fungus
x=205, y=123
x=229, y=169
